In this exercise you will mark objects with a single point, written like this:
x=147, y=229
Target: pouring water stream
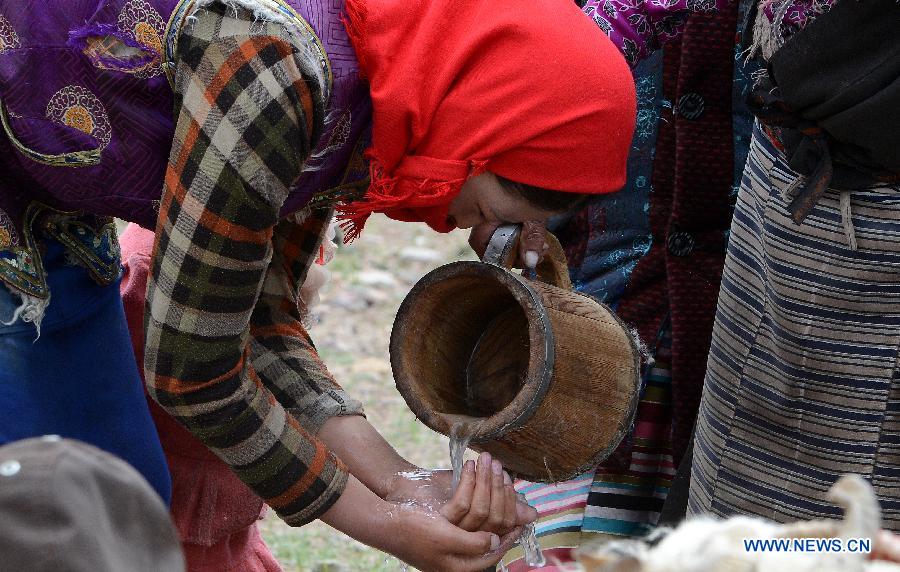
x=460, y=436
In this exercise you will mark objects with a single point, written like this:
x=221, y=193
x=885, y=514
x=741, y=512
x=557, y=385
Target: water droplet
x=417, y=475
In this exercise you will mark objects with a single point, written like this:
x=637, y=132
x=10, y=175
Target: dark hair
x=544, y=199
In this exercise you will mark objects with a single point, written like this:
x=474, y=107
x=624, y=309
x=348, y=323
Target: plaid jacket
x=226, y=354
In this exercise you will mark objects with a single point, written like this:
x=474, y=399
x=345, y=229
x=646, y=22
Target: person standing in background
x=654, y=253
x=803, y=383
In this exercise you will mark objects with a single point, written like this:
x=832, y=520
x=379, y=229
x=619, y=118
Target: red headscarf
x=532, y=91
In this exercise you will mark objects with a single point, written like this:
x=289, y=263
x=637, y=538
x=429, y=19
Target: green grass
x=319, y=548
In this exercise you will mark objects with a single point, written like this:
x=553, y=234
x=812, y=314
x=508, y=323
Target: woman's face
x=484, y=200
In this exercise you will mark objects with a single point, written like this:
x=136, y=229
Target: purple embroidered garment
x=88, y=121
x=639, y=27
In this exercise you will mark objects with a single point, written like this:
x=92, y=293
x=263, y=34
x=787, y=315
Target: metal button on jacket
x=690, y=105
x=680, y=243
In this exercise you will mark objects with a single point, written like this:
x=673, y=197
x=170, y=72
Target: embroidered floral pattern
x=647, y=110
x=77, y=107
x=638, y=27
x=603, y=23
x=8, y=235
x=609, y=10
x=701, y=5
x=92, y=241
x=8, y=37
x=795, y=14
x=20, y=265
x=148, y=27
x=337, y=139
x=18, y=268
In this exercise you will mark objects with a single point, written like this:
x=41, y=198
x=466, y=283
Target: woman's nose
x=468, y=221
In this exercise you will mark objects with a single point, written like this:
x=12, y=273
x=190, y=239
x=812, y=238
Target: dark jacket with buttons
x=694, y=174
x=701, y=134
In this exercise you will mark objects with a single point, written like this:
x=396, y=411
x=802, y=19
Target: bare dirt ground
x=352, y=329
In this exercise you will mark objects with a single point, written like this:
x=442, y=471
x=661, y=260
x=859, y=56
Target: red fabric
x=533, y=92
x=215, y=513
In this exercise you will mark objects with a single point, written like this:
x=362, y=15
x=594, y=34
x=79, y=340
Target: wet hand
x=532, y=241
x=429, y=542
x=415, y=534
x=486, y=500
x=429, y=488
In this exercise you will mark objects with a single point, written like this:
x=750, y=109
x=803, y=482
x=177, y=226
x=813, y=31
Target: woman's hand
x=381, y=470
x=486, y=500
x=532, y=241
x=415, y=534
x=431, y=543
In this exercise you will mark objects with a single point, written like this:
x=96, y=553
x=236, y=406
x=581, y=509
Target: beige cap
x=68, y=506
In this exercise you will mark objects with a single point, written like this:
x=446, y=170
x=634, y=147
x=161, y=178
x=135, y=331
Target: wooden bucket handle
x=503, y=246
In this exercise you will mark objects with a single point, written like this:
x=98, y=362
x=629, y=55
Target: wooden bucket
x=545, y=379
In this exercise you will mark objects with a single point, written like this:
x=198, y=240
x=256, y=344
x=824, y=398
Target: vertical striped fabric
x=624, y=495
x=803, y=383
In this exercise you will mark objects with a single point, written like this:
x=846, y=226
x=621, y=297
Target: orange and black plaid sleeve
x=248, y=104
x=282, y=352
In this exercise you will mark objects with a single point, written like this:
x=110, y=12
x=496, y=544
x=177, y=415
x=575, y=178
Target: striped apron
x=802, y=384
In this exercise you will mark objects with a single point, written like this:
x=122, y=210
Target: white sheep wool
x=711, y=545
